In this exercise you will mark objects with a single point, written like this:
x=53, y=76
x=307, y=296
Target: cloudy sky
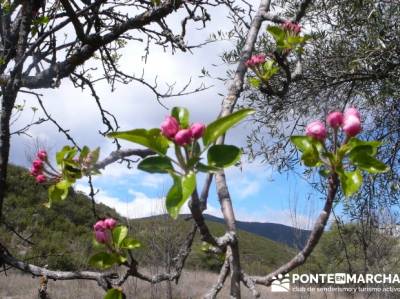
x=259, y=193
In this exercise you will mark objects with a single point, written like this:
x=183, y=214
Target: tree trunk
x=7, y=104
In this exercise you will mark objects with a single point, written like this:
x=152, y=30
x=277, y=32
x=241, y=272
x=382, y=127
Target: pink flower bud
x=110, y=223
x=100, y=225
x=35, y=171
x=41, y=178
x=352, y=111
x=183, y=137
x=101, y=236
x=37, y=164
x=335, y=119
x=351, y=125
x=293, y=27
x=197, y=130
x=42, y=155
x=316, y=129
x=169, y=127
x=255, y=60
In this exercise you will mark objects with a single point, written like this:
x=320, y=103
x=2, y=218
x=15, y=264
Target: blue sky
x=259, y=193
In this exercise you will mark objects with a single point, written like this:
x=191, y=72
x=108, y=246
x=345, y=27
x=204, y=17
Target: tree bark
x=7, y=104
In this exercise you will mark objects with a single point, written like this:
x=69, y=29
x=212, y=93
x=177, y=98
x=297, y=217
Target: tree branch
x=312, y=241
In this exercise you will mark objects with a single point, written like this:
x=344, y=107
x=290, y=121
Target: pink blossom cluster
x=170, y=128
x=349, y=121
x=255, y=60
x=292, y=27
x=38, y=166
x=102, y=230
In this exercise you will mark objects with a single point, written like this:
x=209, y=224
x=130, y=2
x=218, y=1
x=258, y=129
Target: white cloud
x=154, y=181
x=140, y=205
x=250, y=188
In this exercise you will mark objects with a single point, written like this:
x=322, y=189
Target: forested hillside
x=56, y=235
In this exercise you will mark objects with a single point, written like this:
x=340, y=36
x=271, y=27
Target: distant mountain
x=288, y=235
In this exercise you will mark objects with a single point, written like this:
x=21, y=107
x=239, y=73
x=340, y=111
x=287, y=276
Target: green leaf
x=302, y=143
x=207, y=168
x=309, y=147
x=181, y=115
x=156, y=164
x=324, y=172
x=223, y=124
x=277, y=33
x=41, y=20
x=223, y=155
x=67, y=153
x=114, y=294
x=254, y=82
x=151, y=139
x=269, y=69
x=354, y=142
x=192, y=162
x=84, y=152
x=64, y=184
x=102, y=260
x=119, y=234
x=96, y=245
x=95, y=155
x=311, y=158
x=180, y=191
x=130, y=243
x=57, y=194
x=196, y=149
x=121, y=259
x=360, y=157
x=350, y=182
x=373, y=145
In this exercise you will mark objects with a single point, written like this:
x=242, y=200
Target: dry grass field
x=192, y=286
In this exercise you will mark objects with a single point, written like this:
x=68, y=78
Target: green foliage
x=57, y=193
x=254, y=82
x=269, y=68
x=151, y=139
x=223, y=155
x=156, y=164
x=207, y=168
x=119, y=234
x=360, y=155
x=309, y=147
x=71, y=168
x=114, y=251
x=350, y=181
x=181, y=115
x=277, y=33
x=223, y=124
x=180, y=191
x=285, y=40
x=114, y=294
x=103, y=260
x=42, y=20
x=129, y=243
